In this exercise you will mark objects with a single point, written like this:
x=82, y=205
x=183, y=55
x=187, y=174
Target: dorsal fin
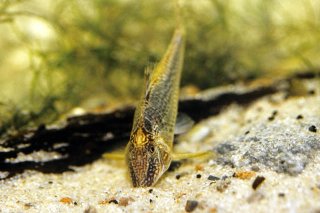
x=183, y=123
x=147, y=75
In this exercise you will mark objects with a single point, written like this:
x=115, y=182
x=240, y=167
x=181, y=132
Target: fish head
x=147, y=159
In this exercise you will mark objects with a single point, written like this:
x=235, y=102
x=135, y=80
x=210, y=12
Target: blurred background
x=56, y=55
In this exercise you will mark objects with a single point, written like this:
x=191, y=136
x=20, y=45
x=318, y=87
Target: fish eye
x=151, y=149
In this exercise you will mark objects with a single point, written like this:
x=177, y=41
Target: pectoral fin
x=147, y=74
x=114, y=156
x=183, y=124
x=182, y=156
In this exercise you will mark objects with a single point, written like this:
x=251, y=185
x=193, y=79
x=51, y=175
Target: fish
x=149, y=151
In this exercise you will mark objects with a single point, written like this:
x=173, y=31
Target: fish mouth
x=143, y=182
x=147, y=176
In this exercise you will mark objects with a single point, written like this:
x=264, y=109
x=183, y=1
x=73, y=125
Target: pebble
x=214, y=178
x=114, y=201
x=274, y=113
x=257, y=182
x=191, y=205
x=66, y=200
x=124, y=201
x=244, y=175
x=313, y=128
x=174, y=166
x=255, y=168
x=311, y=92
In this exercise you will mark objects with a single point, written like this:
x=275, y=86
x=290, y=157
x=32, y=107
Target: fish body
x=149, y=150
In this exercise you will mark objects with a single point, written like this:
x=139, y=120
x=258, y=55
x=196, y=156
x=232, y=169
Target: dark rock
x=191, y=205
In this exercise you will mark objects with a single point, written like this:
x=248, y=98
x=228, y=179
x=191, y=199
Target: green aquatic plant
x=56, y=55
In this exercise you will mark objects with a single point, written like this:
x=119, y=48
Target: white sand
x=92, y=187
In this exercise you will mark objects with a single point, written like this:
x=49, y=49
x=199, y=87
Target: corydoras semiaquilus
x=149, y=150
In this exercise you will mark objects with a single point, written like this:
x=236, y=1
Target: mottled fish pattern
x=148, y=153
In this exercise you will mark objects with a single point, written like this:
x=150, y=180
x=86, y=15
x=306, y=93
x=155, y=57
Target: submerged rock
x=284, y=144
x=265, y=154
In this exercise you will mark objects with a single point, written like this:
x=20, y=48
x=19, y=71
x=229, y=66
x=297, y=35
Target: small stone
x=257, y=182
x=313, y=128
x=174, y=166
x=28, y=206
x=213, y=178
x=191, y=205
x=311, y=92
x=199, y=167
x=271, y=118
x=223, y=185
x=108, y=201
x=255, y=168
x=113, y=201
x=178, y=176
x=224, y=177
x=274, y=113
x=66, y=200
x=124, y=201
x=244, y=175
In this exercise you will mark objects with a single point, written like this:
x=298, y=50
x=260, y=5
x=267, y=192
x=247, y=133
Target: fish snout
x=144, y=170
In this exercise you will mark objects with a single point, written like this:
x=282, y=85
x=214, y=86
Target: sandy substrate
x=268, y=160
